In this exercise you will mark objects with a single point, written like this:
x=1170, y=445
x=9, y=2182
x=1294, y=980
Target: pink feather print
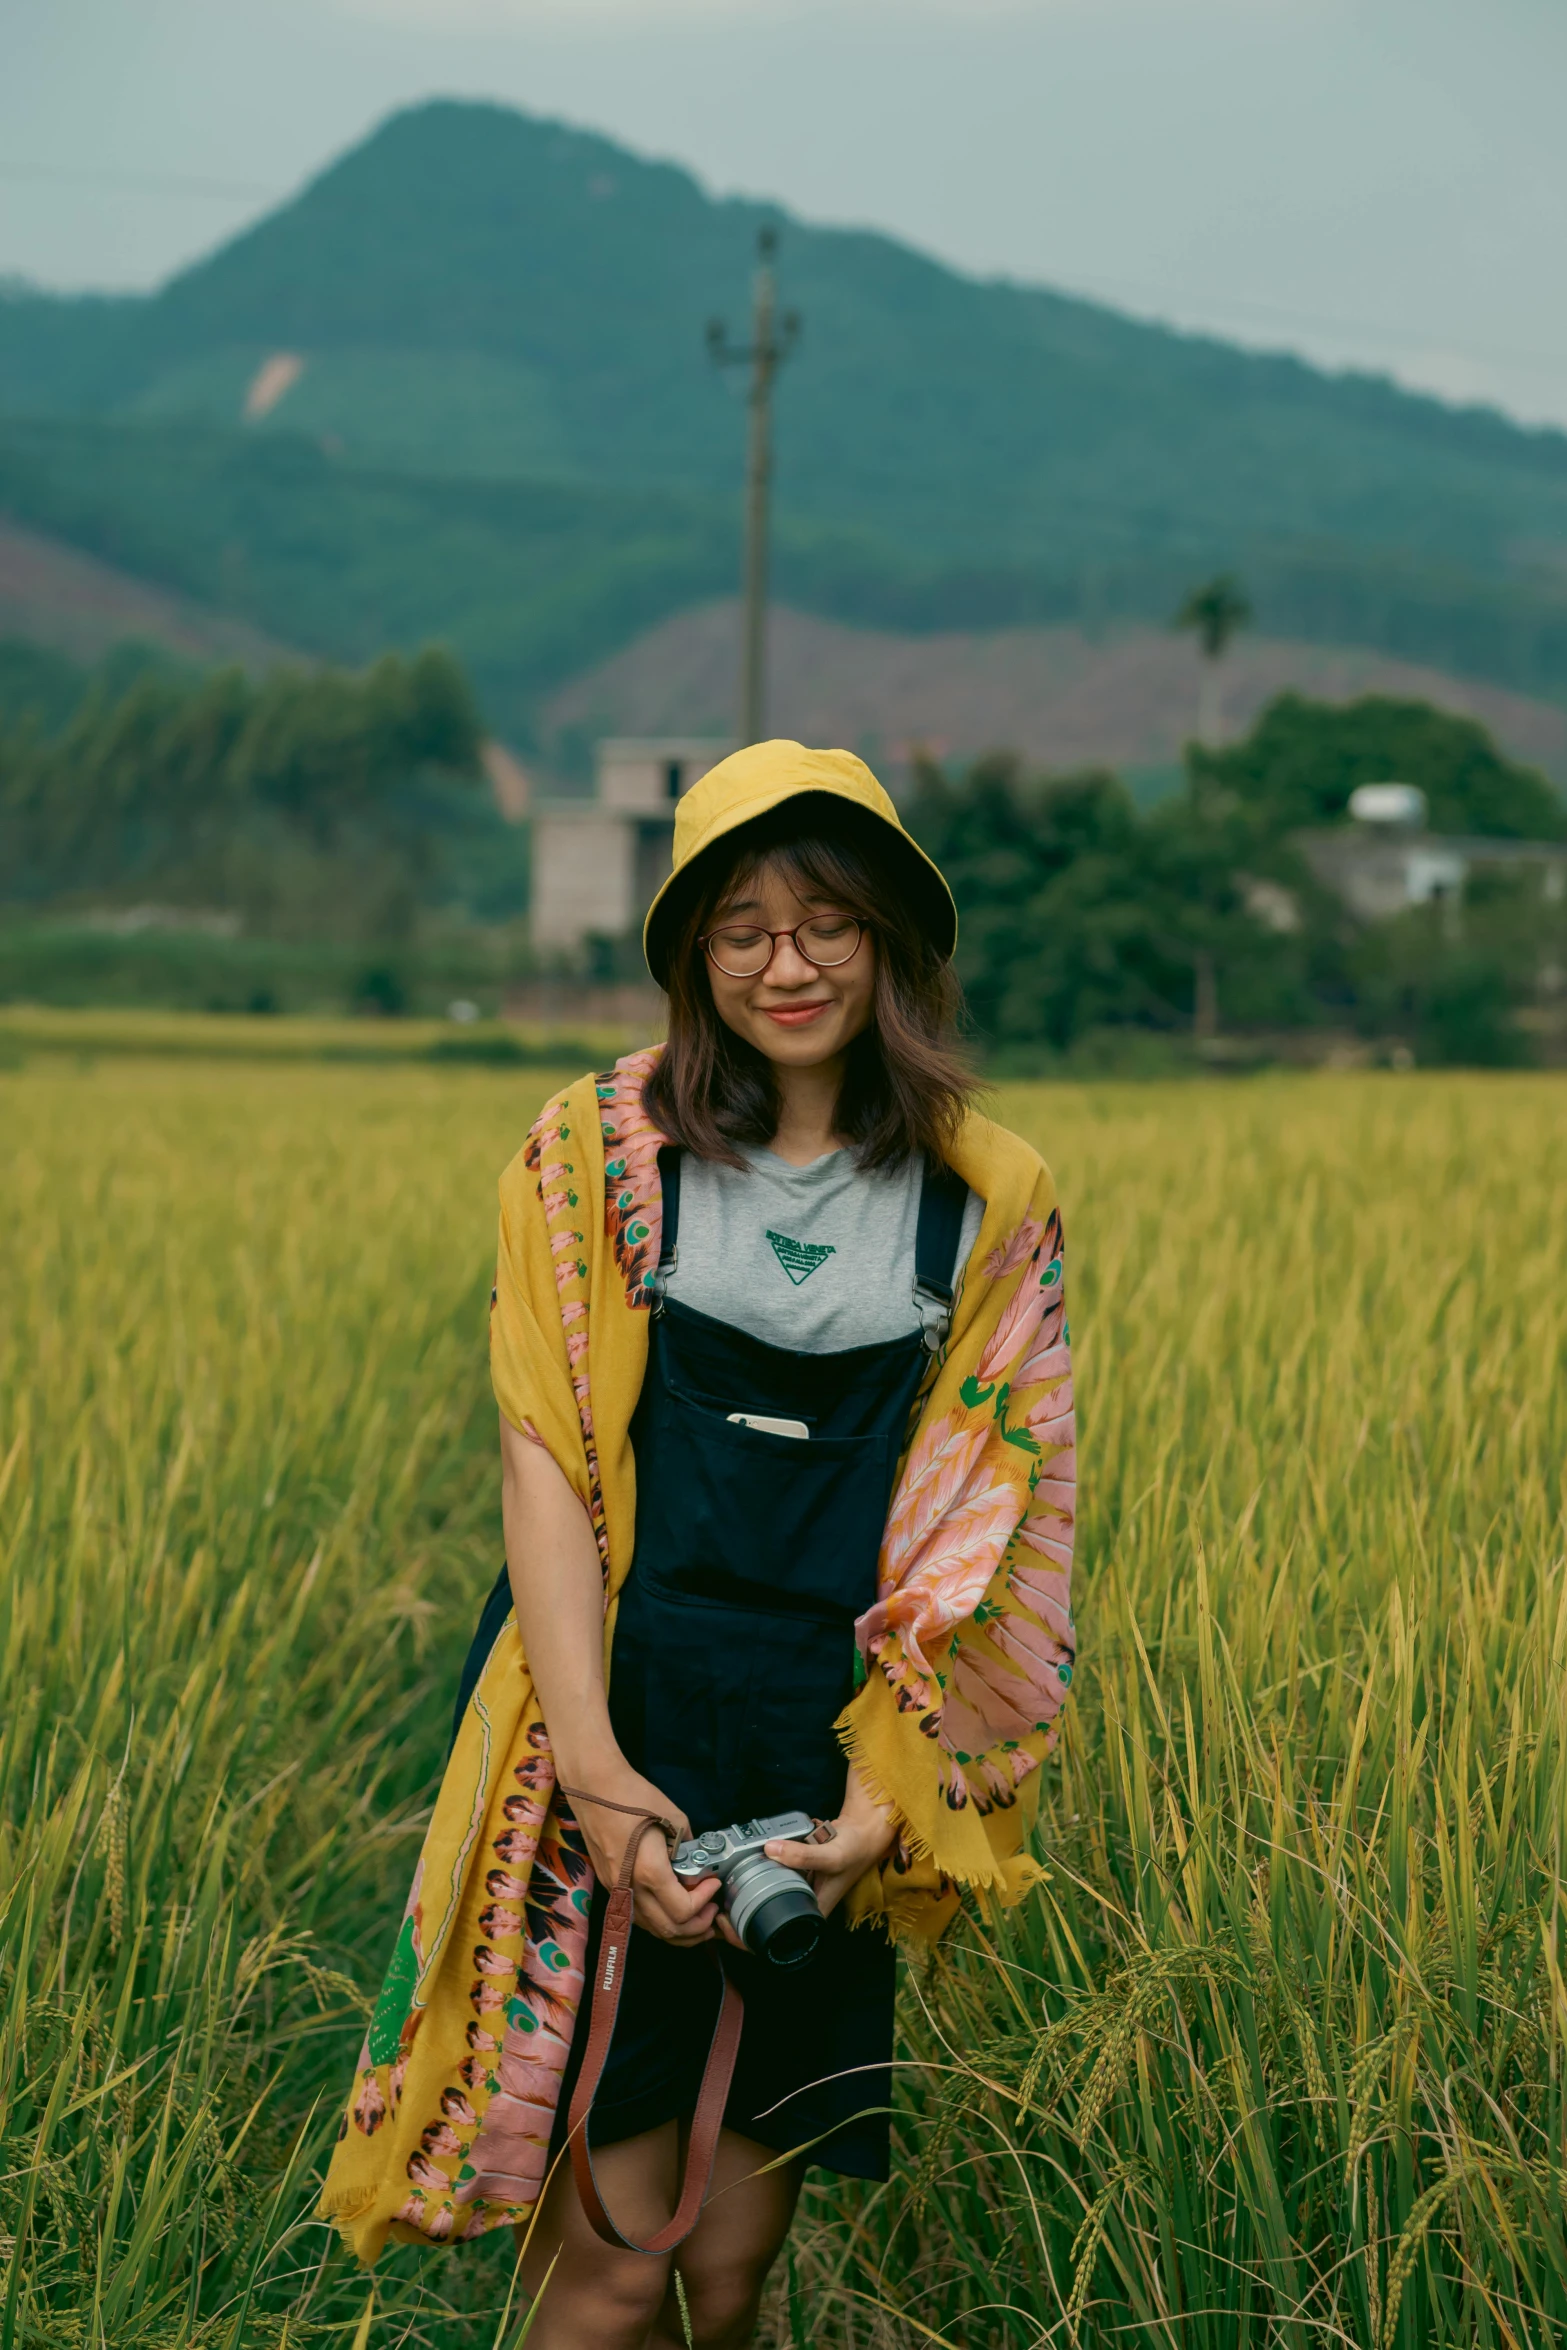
x=416, y=2213
x=950, y=1577
x=507, y=2158
x=1017, y=1328
x=938, y=1467
x=1052, y=1327
x=1049, y=1359
x=1036, y=1652
x=1054, y=1431
x=1049, y=1593
x=633, y=1201
x=369, y=2107
x=1054, y=1497
x=1016, y=1251
x=1010, y=1695
x=1063, y=1468
x=535, y=2077
x=978, y=1712
x=1049, y=1417
x=574, y=1322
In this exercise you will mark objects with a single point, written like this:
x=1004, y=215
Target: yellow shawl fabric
x=968, y=1651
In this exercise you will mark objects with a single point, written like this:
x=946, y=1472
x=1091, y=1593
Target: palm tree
x=1216, y=612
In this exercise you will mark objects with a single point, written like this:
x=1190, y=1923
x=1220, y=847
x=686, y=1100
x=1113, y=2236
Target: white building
x=1385, y=860
x=597, y=863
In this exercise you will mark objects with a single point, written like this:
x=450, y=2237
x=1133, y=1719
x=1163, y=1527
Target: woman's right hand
x=664, y=1906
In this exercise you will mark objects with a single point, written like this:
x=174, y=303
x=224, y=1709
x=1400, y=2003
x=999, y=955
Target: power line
x=1243, y=306
x=1103, y=290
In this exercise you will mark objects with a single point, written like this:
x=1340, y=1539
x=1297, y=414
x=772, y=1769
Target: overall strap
x=707, y=2120
x=669, y=1241
x=943, y=1198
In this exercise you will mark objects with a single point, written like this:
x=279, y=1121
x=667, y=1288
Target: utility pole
x=772, y=339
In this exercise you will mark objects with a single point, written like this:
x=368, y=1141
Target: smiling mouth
x=796, y=1015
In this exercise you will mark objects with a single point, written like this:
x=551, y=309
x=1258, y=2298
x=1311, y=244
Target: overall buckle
x=934, y=1308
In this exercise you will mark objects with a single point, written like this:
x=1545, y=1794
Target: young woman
x=779, y=1347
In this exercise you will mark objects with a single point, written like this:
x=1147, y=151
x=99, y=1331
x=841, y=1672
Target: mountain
x=528, y=581
x=54, y=596
x=476, y=298
x=1059, y=699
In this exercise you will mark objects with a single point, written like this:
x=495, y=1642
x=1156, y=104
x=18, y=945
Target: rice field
x=1279, y=2056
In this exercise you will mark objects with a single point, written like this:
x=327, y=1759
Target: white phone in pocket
x=769, y=1427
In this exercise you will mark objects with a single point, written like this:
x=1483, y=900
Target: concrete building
x=1384, y=859
x=597, y=862
x=1375, y=878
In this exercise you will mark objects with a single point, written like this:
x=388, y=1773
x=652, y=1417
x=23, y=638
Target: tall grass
x=246, y=1522
x=1277, y=2057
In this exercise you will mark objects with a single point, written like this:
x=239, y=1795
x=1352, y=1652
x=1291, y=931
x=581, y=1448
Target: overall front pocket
x=748, y=1519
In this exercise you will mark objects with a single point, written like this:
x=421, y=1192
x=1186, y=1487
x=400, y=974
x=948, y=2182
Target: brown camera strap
x=707, y=2121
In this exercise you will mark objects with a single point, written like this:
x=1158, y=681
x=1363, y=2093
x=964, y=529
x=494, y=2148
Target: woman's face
x=797, y=1013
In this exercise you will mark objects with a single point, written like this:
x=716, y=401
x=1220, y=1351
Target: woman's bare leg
x=724, y=2262
x=599, y=2297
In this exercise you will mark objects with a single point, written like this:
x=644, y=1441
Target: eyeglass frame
x=706, y=938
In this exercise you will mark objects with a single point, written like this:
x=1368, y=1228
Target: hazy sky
x=1381, y=182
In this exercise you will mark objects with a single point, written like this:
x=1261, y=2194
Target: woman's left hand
x=863, y=1835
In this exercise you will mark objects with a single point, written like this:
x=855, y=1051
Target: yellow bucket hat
x=752, y=783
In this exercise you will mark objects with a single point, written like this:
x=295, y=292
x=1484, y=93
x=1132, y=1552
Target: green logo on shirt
x=799, y=1258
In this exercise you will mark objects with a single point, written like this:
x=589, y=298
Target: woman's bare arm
x=557, y=1588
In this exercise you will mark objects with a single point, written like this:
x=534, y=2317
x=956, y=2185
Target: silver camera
x=774, y=1910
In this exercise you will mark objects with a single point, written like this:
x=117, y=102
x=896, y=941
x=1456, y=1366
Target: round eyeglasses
x=743, y=950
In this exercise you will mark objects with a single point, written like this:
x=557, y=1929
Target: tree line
x=309, y=803
x=1085, y=923
x=335, y=808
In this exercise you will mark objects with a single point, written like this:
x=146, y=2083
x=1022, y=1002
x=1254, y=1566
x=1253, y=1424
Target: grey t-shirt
x=815, y=1258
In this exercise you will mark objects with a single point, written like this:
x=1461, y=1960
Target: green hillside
x=528, y=581
x=483, y=298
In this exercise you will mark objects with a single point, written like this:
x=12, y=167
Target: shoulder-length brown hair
x=905, y=1089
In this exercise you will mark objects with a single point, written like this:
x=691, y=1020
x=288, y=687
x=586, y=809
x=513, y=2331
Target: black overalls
x=733, y=1655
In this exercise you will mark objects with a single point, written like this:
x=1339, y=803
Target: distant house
x=1385, y=860
x=597, y=863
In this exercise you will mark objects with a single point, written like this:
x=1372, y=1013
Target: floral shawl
x=967, y=1652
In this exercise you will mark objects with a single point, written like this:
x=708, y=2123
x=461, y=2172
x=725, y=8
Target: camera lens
x=786, y=1927
x=774, y=1911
